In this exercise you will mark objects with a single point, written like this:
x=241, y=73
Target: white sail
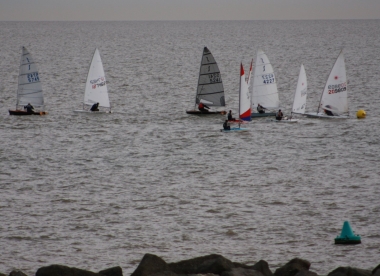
x=264, y=90
x=210, y=89
x=299, y=102
x=334, y=96
x=29, y=88
x=96, y=84
x=244, y=97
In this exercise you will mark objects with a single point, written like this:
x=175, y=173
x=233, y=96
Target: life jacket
x=200, y=106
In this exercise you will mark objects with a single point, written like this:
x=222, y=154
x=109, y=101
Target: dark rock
x=17, y=273
x=61, y=270
x=165, y=273
x=113, y=271
x=263, y=267
x=215, y=264
x=306, y=273
x=239, y=271
x=349, y=271
x=150, y=264
x=376, y=271
x=292, y=267
x=2, y=274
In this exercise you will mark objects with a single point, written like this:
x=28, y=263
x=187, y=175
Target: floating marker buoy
x=347, y=236
x=360, y=114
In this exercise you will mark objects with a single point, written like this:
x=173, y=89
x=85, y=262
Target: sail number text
x=33, y=77
x=336, y=88
x=214, y=77
x=268, y=78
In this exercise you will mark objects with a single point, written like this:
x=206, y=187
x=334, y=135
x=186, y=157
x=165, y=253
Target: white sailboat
x=96, y=86
x=334, y=100
x=29, y=88
x=264, y=89
x=244, y=102
x=210, y=90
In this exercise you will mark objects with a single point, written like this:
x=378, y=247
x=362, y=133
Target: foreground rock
x=61, y=270
x=293, y=267
x=350, y=271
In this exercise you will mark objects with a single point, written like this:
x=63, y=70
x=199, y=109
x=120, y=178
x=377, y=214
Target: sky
x=120, y=10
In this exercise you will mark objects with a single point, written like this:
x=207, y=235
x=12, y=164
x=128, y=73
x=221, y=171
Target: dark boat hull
x=259, y=115
x=197, y=112
x=24, y=113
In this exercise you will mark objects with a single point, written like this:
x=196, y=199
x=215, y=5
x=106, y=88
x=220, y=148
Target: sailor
x=95, y=107
x=229, y=116
x=226, y=125
x=279, y=115
x=29, y=108
x=260, y=108
x=328, y=112
x=202, y=107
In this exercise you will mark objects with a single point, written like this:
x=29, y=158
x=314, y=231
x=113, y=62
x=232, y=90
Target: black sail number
x=214, y=78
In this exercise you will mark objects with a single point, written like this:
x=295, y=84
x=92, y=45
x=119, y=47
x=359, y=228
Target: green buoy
x=347, y=236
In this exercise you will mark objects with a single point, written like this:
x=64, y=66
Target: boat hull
x=324, y=116
x=259, y=115
x=92, y=112
x=285, y=121
x=197, y=112
x=234, y=129
x=24, y=113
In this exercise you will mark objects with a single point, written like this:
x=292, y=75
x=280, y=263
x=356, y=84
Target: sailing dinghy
x=210, y=90
x=264, y=89
x=299, y=102
x=244, y=102
x=96, y=87
x=29, y=89
x=334, y=101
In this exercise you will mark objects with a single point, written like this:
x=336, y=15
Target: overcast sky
x=78, y=10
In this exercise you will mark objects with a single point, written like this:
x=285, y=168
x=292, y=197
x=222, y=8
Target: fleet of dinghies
x=210, y=90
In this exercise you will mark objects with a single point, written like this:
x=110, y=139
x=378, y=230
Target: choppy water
x=95, y=191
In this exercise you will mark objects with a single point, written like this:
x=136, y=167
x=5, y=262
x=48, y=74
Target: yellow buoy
x=360, y=114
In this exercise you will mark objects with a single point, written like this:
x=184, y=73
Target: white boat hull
x=92, y=112
x=324, y=116
x=285, y=120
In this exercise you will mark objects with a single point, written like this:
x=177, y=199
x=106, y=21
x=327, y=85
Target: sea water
x=99, y=190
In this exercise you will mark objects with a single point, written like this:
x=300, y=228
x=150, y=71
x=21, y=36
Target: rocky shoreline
x=210, y=265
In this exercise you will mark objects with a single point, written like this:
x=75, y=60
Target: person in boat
x=226, y=125
x=279, y=115
x=202, y=107
x=328, y=112
x=229, y=116
x=95, y=107
x=29, y=108
x=260, y=108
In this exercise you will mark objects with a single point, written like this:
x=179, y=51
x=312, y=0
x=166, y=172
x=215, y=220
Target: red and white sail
x=244, y=97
